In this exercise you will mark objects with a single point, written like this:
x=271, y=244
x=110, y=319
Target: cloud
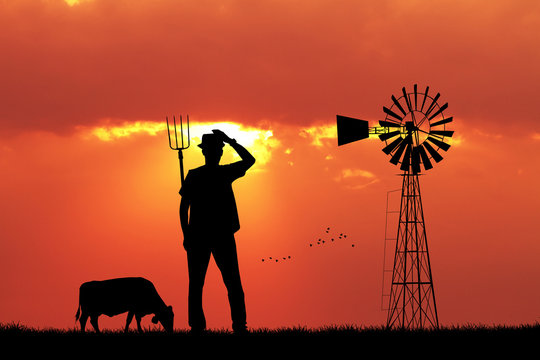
x=318, y=135
x=114, y=132
x=261, y=141
x=75, y=2
x=293, y=63
x=347, y=173
x=356, y=179
x=489, y=135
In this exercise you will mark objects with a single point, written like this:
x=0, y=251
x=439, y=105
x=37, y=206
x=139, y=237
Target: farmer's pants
x=225, y=256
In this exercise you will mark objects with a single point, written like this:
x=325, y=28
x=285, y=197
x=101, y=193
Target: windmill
x=414, y=132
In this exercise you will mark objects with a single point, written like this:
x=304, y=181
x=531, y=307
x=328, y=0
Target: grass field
x=469, y=341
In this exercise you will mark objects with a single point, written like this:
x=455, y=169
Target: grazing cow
x=135, y=295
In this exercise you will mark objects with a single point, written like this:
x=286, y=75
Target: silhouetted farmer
x=210, y=226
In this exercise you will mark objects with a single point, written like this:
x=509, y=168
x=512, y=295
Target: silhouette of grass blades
x=331, y=330
x=336, y=341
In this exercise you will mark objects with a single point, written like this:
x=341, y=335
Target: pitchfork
x=182, y=145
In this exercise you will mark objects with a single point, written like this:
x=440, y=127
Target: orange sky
x=89, y=185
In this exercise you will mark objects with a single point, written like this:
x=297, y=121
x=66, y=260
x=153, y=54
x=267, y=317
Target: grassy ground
x=333, y=341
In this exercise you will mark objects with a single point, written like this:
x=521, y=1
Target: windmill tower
x=414, y=132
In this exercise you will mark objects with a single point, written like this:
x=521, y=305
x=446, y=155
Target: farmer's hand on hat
x=222, y=135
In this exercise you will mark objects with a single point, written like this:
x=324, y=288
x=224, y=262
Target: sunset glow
x=109, y=133
x=89, y=185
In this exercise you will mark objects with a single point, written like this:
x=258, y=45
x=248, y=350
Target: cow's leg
x=128, y=320
x=94, y=322
x=82, y=320
x=138, y=318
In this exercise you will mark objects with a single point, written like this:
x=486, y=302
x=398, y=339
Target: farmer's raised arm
x=247, y=159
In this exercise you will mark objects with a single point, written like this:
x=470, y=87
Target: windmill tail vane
x=177, y=142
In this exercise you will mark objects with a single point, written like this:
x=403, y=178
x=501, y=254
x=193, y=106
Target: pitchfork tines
x=179, y=145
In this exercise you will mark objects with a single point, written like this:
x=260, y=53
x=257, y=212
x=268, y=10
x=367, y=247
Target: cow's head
x=166, y=318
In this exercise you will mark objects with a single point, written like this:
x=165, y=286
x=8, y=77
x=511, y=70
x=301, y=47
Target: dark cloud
x=293, y=62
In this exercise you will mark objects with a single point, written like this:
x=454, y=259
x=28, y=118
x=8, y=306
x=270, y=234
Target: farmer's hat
x=211, y=141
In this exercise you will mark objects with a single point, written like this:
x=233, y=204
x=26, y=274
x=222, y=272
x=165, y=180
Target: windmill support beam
x=412, y=297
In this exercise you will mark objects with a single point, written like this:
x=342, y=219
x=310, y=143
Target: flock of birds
x=270, y=259
x=322, y=241
x=328, y=238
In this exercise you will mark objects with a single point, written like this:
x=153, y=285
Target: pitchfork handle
x=181, y=160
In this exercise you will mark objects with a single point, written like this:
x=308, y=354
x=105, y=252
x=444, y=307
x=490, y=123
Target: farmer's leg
x=198, y=258
x=226, y=259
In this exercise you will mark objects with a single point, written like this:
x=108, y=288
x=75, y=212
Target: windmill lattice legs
x=412, y=297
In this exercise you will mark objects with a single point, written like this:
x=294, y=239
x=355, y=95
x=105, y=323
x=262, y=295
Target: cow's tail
x=77, y=315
